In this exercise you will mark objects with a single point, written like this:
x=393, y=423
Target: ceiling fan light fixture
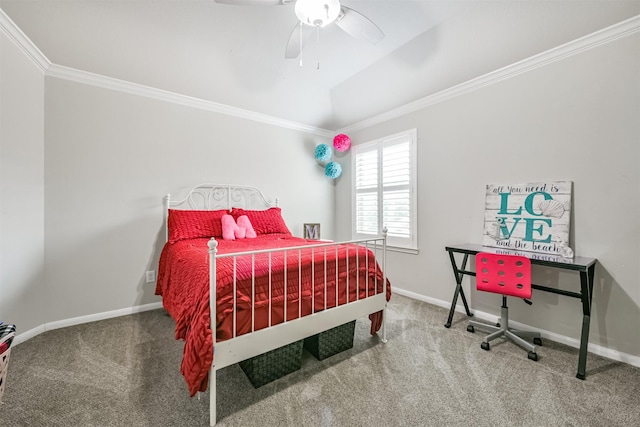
x=317, y=13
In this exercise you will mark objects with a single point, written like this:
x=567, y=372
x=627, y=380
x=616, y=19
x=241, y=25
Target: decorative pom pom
x=323, y=153
x=333, y=170
x=341, y=142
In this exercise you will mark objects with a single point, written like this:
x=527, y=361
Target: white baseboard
x=84, y=319
x=571, y=342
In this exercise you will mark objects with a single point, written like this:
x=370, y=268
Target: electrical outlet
x=151, y=276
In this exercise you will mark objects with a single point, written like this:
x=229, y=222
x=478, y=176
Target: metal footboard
x=369, y=297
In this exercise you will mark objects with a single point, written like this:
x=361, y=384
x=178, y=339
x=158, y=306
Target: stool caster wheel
x=485, y=346
x=537, y=341
x=470, y=328
x=533, y=356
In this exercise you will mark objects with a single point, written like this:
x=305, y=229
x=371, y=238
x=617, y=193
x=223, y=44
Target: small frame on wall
x=312, y=231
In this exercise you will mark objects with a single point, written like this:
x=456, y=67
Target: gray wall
x=577, y=119
x=110, y=157
x=84, y=170
x=22, y=290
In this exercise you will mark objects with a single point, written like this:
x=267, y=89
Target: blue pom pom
x=323, y=153
x=333, y=170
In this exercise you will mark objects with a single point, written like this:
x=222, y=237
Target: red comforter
x=183, y=283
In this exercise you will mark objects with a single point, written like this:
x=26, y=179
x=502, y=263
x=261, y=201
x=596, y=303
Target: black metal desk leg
x=586, y=286
x=464, y=300
x=459, y=277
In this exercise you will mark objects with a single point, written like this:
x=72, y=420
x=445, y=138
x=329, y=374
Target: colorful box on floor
x=7, y=333
x=273, y=364
x=333, y=341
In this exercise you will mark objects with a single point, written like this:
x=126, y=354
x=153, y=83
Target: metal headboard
x=218, y=196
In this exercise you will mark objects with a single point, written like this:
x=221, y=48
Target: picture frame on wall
x=312, y=231
x=529, y=217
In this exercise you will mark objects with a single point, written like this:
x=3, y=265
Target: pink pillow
x=267, y=221
x=229, y=227
x=245, y=224
x=231, y=230
x=188, y=224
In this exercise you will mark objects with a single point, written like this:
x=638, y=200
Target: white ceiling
x=234, y=55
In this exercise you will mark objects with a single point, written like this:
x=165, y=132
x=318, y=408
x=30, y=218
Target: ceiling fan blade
x=255, y=2
x=293, y=45
x=359, y=26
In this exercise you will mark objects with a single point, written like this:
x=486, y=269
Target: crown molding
x=590, y=41
x=606, y=35
x=8, y=27
x=15, y=34
x=85, y=77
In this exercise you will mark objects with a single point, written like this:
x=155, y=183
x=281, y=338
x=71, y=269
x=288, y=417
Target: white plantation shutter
x=396, y=189
x=384, y=189
x=366, y=176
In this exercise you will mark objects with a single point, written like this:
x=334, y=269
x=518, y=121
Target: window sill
x=403, y=250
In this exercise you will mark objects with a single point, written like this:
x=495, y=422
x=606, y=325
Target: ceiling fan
x=316, y=14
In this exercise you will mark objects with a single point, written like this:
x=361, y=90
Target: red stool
x=508, y=275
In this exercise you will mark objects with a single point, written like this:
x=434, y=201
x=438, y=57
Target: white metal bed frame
x=239, y=348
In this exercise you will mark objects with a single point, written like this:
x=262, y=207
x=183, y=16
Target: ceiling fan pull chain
x=301, y=44
x=318, y=51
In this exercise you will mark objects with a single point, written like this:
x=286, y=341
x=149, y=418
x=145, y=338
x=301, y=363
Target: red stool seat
x=503, y=274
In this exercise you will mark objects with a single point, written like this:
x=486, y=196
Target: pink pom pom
x=341, y=142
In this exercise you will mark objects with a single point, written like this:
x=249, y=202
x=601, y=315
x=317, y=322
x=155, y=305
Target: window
x=384, y=181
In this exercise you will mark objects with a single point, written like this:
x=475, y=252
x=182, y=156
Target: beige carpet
x=125, y=372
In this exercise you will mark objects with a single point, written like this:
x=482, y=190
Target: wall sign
x=311, y=231
x=531, y=217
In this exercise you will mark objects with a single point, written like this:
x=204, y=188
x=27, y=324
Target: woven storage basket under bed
x=273, y=364
x=332, y=341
